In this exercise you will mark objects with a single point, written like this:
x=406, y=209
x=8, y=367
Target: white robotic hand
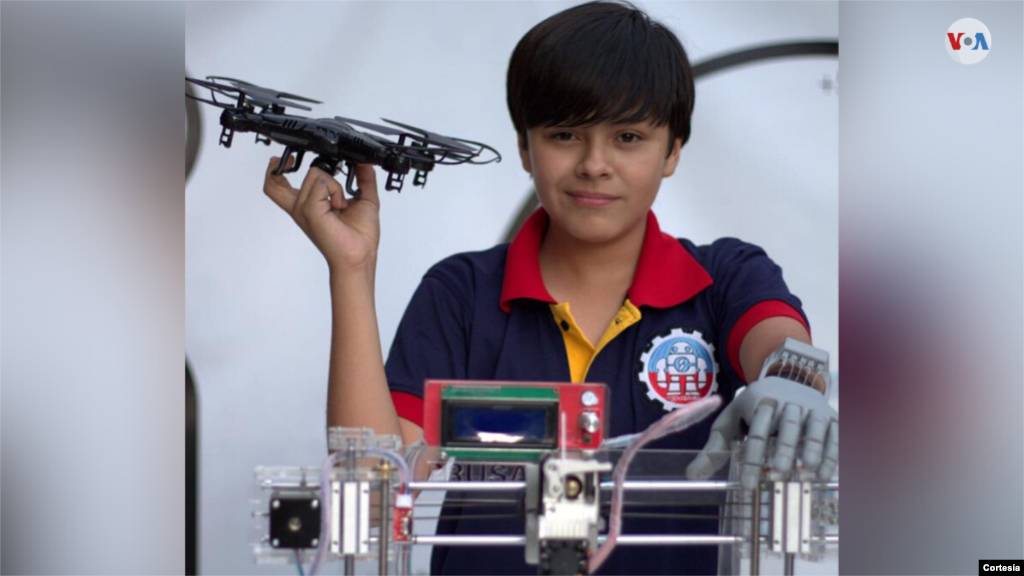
x=783, y=404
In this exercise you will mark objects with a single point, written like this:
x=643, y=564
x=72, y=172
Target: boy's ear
x=673, y=159
x=524, y=154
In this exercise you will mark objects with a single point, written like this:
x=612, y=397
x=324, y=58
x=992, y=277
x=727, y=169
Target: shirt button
x=565, y=325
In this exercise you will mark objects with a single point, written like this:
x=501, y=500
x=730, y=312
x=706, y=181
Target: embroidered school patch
x=678, y=368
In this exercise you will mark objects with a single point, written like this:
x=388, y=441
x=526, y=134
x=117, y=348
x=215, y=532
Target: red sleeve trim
x=409, y=407
x=757, y=313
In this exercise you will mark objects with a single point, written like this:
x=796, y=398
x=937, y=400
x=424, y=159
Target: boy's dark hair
x=600, y=61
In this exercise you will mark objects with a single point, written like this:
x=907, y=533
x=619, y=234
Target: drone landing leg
x=350, y=181
x=394, y=182
x=298, y=161
x=226, y=135
x=284, y=160
x=420, y=179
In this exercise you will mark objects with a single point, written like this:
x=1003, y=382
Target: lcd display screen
x=520, y=426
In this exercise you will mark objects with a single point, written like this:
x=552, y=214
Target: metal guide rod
x=350, y=467
x=385, y=523
x=755, y=532
x=500, y=540
x=665, y=539
x=634, y=485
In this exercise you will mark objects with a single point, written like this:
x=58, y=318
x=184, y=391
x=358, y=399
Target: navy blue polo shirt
x=488, y=316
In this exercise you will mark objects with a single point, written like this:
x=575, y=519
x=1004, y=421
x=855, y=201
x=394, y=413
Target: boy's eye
x=630, y=137
x=564, y=136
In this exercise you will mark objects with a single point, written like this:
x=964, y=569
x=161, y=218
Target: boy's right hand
x=346, y=231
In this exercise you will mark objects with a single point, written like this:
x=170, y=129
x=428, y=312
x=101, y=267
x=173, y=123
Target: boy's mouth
x=591, y=199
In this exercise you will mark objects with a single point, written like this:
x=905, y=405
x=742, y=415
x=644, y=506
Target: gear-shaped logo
x=679, y=368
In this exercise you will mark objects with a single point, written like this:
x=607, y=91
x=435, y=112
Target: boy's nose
x=594, y=163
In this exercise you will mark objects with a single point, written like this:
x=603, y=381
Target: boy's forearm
x=357, y=394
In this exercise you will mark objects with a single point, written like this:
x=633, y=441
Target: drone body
x=335, y=140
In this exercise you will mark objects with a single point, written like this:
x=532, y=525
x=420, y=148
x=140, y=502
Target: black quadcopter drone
x=334, y=140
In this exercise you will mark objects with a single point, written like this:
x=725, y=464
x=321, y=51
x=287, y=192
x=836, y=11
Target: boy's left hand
x=773, y=405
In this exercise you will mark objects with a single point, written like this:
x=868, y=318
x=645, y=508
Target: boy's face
x=598, y=182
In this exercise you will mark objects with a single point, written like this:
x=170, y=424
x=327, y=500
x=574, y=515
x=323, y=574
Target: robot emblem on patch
x=678, y=368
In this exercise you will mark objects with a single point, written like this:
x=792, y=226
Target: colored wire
x=676, y=421
x=325, y=511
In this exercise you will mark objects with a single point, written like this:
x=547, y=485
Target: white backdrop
x=761, y=165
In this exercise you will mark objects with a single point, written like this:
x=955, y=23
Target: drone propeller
x=228, y=91
x=418, y=151
x=481, y=147
x=222, y=88
x=337, y=123
x=442, y=140
x=371, y=126
x=275, y=93
x=267, y=96
x=213, y=87
x=255, y=94
x=422, y=135
x=211, y=102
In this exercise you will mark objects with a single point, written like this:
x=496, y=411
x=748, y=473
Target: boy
x=589, y=290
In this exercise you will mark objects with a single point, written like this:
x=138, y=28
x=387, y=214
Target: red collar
x=666, y=274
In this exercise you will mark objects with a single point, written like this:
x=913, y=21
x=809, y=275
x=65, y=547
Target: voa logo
x=968, y=41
